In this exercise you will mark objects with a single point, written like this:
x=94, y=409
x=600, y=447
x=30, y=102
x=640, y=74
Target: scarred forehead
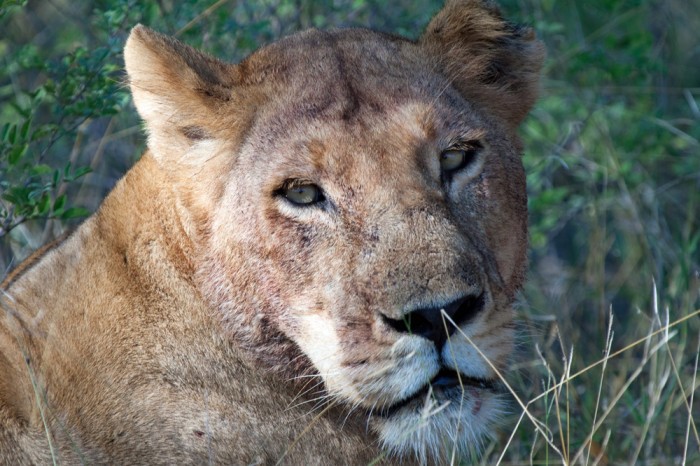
x=344, y=75
x=352, y=105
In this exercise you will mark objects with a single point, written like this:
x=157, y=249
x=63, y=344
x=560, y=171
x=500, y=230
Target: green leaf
x=59, y=203
x=43, y=131
x=75, y=212
x=44, y=204
x=41, y=169
x=77, y=173
x=35, y=194
x=9, y=197
x=16, y=154
x=5, y=5
x=24, y=131
x=18, y=195
x=12, y=134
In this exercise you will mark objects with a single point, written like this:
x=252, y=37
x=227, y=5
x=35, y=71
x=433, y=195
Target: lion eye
x=456, y=159
x=302, y=195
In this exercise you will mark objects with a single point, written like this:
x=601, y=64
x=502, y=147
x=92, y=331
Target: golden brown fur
x=200, y=316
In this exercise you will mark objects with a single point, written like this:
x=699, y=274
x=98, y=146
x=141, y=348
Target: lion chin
x=443, y=426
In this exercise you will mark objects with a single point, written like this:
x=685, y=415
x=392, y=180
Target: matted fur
x=201, y=317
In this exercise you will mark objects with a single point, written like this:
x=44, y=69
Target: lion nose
x=431, y=324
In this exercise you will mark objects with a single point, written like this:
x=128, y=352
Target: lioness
x=314, y=262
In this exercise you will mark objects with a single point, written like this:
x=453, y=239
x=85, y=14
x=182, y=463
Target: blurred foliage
x=612, y=148
x=613, y=158
x=613, y=161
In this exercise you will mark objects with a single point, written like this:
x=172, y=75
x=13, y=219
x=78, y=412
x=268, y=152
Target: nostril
x=466, y=310
x=413, y=323
x=430, y=323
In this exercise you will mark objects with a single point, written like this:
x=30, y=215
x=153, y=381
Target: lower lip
x=446, y=380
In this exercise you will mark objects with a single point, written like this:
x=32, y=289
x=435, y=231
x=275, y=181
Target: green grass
x=608, y=352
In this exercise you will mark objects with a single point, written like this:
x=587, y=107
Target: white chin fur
x=440, y=432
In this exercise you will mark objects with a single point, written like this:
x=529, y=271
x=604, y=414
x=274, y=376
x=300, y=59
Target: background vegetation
x=606, y=370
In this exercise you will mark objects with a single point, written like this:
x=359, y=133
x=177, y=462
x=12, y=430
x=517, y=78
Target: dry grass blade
x=539, y=427
x=649, y=352
x=200, y=16
x=690, y=406
x=619, y=352
x=306, y=429
x=606, y=356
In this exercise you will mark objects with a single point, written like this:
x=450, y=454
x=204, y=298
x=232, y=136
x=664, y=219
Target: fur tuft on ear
x=177, y=90
x=492, y=62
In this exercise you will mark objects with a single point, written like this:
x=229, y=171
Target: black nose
x=429, y=322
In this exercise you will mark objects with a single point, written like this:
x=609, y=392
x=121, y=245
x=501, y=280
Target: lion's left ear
x=491, y=62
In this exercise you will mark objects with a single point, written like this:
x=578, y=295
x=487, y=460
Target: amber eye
x=302, y=194
x=456, y=159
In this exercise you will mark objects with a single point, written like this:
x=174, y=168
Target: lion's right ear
x=177, y=90
x=493, y=63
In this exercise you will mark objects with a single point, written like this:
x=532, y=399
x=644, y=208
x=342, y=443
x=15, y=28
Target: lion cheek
x=318, y=339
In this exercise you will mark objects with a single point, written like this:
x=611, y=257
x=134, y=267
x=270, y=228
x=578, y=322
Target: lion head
x=358, y=207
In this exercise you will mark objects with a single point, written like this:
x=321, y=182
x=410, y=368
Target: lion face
x=361, y=214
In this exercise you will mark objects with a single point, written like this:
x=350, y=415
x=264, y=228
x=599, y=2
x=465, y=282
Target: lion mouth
x=445, y=383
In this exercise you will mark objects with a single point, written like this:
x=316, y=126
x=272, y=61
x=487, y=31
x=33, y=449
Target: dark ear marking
x=216, y=92
x=194, y=133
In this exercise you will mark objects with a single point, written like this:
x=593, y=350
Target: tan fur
x=200, y=317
